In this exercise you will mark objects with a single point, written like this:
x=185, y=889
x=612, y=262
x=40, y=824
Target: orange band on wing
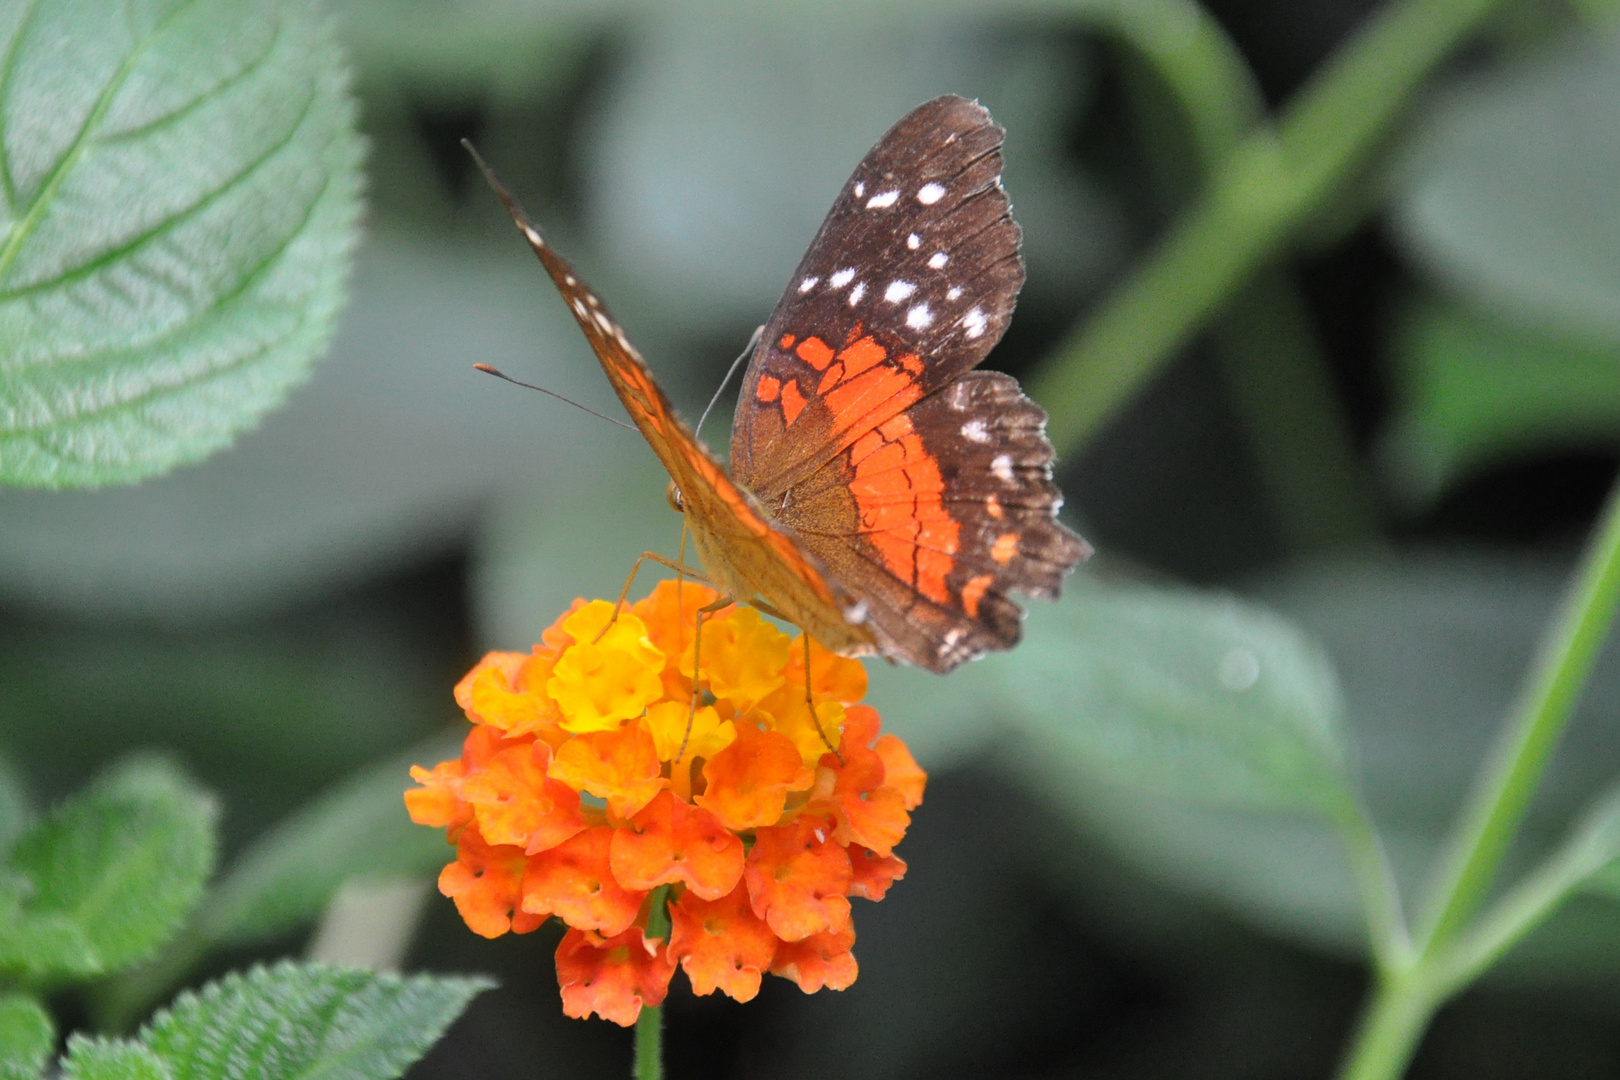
x=897, y=488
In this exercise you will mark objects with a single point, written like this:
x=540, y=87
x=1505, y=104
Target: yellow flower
x=599, y=684
x=744, y=657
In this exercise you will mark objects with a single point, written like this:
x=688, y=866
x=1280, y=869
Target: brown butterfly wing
x=923, y=489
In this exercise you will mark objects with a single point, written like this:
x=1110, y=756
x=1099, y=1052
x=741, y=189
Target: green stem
x=650, y=1043
x=650, y=1023
x=1389, y=1031
x=1451, y=952
x=1264, y=190
x=1509, y=780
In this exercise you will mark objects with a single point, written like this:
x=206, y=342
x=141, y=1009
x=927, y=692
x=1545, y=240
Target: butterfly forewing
x=909, y=282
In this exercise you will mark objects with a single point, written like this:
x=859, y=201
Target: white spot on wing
x=535, y=238
x=919, y=317
x=807, y=284
x=937, y=260
x=930, y=193
x=954, y=293
x=898, y=291
x=579, y=306
x=879, y=202
x=604, y=322
x=856, y=612
x=975, y=431
x=1002, y=467
x=856, y=293
x=975, y=322
x=570, y=280
x=842, y=277
x=860, y=188
x=913, y=241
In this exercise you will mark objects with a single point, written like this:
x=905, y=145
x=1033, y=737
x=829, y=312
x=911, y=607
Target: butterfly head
x=672, y=495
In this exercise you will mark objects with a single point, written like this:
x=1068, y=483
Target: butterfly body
x=882, y=495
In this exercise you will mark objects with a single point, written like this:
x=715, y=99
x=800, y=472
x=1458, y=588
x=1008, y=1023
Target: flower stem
x=650, y=1043
x=1514, y=770
x=1449, y=952
x=1389, y=1032
x=650, y=1022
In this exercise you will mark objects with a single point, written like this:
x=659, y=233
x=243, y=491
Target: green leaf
x=1180, y=693
x=1474, y=390
x=1510, y=201
x=287, y=877
x=110, y=873
x=111, y=1059
x=27, y=1037
x=297, y=1021
x=179, y=185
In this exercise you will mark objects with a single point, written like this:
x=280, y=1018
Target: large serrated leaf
x=1195, y=696
x=112, y=872
x=179, y=184
x=306, y=1020
x=111, y=1059
x=27, y=1037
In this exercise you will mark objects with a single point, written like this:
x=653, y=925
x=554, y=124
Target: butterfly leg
x=697, y=652
x=810, y=703
x=680, y=568
x=809, y=698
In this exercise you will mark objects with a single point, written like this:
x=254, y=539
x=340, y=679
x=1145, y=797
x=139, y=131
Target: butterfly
x=882, y=495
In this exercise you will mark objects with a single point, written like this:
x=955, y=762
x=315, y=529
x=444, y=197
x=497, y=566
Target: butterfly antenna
x=499, y=374
x=748, y=350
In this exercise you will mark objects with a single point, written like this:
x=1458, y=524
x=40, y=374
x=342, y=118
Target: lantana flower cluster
x=590, y=788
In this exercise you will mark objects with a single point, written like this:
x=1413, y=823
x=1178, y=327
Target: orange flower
x=748, y=782
x=612, y=977
x=508, y=691
x=721, y=944
x=516, y=803
x=798, y=878
x=672, y=841
x=819, y=960
x=620, y=766
x=868, y=813
x=438, y=801
x=590, y=789
x=575, y=882
x=871, y=874
x=485, y=881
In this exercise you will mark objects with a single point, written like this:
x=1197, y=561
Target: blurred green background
x=1394, y=437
